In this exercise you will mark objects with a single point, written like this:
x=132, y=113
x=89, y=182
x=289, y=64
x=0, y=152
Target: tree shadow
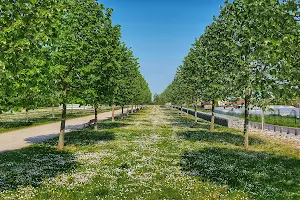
x=19, y=123
x=31, y=165
x=220, y=137
x=259, y=174
x=83, y=137
x=111, y=125
x=40, y=138
x=182, y=121
x=8, y=125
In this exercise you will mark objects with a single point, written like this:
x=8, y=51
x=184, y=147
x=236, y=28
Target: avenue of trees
x=60, y=51
x=250, y=51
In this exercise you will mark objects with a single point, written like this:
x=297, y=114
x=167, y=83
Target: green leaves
x=45, y=45
x=252, y=44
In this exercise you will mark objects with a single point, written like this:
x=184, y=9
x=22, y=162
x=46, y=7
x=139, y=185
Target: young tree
x=260, y=29
x=71, y=50
x=24, y=30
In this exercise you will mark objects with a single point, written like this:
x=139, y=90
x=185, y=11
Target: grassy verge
x=277, y=120
x=269, y=119
x=200, y=109
x=10, y=122
x=153, y=154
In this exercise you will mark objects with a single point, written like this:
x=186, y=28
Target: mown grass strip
x=153, y=154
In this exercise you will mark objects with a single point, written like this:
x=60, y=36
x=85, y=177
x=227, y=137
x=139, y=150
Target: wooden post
x=212, y=121
x=280, y=129
x=96, y=117
x=113, y=113
x=296, y=131
x=274, y=128
x=53, y=114
x=288, y=130
x=196, y=113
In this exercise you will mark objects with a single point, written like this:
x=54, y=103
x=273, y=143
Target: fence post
x=274, y=128
x=288, y=131
x=269, y=127
x=296, y=131
x=280, y=129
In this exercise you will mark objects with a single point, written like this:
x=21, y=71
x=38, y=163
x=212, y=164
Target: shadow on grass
x=220, y=137
x=108, y=124
x=7, y=125
x=21, y=123
x=189, y=123
x=83, y=137
x=31, y=165
x=260, y=175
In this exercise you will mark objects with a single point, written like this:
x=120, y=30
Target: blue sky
x=161, y=32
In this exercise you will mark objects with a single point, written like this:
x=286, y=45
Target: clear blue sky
x=161, y=32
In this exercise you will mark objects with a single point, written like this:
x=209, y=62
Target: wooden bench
x=91, y=122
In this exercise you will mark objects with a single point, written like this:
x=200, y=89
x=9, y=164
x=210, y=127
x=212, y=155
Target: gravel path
x=24, y=137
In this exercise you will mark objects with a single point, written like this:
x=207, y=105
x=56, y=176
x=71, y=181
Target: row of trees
x=251, y=50
x=60, y=51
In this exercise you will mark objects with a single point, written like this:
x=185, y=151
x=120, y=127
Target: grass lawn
x=14, y=121
x=269, y=119
x=277, y=120
x=153, y=154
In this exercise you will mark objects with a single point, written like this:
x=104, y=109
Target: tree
x=24, y=30
x=129, y=69
x=260, y=29
x=70, y=51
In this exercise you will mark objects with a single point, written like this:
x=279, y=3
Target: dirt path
x=24, y=137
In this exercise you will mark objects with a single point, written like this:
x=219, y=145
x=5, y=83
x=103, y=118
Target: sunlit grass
x=277, y=120
x=14, y=121
x=153, y=154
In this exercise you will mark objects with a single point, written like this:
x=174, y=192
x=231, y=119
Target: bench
x=91, y=122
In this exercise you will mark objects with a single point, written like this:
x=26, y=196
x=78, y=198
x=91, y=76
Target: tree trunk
x=196, y=113
x=61, y=141
x=181, y=110
x=212, y=121
x=53, y=115
x=27, y=119
x=262, y=118
x=246, y=122
x=113, y=113
x=96, y=118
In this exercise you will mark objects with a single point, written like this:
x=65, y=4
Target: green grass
x=200, y=109
x=277, y=120
x=15, y=121
x=269, y=119
x=153, y=154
